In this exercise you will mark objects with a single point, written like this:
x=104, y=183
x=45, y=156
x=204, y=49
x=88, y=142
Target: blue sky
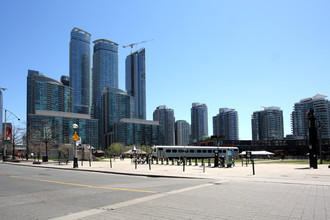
x=240, y=54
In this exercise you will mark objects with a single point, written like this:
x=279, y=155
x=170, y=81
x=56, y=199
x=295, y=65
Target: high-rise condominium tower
x=166, y=119
x=80, y=70
x=105, y=74
x=267, y=124
x=136, y=81
x=116, y=104
x=299, y=117
x=199, y=123
x=182, y=133
x=225, y=124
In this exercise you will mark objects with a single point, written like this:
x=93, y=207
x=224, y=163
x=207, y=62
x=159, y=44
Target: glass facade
x=166, y=119
x=199, y=122
x=57, y=126
x=182, y=133
x=267, y=124
x=136, y=81
x=299, y=117
x=136, y=132
x=116, y=104
x=48, y=94
x=105, y=74
x=80, y=70
x=225, y=124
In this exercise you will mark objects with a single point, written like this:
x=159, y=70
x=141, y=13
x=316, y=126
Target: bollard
x=184, y=164
x=149, y=164
x=203, y=165
x=110, y=162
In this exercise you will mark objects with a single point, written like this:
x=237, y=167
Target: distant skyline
x=237, y=54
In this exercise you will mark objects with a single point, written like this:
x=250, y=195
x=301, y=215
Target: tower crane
x=133, y=44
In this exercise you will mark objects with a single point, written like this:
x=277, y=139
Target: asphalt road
x=42, y=193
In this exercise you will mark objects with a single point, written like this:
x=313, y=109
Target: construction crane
x=133, y=44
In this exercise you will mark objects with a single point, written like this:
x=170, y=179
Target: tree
x=17, y=134
x=116, y=148
x=44, y=132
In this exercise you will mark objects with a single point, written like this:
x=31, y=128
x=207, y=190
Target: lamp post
x=75, y=138
x=320, y=142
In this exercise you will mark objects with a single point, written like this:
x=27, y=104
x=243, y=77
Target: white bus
x=192, y=151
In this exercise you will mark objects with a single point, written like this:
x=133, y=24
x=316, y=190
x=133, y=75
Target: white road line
x=91, y=212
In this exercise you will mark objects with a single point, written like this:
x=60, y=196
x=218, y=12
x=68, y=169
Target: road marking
x=95, y=211
x=76, y=184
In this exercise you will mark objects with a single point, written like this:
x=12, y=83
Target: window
x=204, y=151
x=199, y=151
x=209, y=151
x=192, y=151
x=168, y=150
x=174, y=151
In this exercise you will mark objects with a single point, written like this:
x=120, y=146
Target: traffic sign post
x=75, y=138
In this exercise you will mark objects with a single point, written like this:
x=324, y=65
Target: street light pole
x=320, y=143
x=4, y=138
x=75, y=160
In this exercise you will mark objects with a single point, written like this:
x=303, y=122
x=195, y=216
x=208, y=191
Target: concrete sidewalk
x=270, y=172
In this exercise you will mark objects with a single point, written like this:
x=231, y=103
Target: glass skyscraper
x=199, y=122
x=267, y=124
x=116, y=104
x=166, y=119
x=136, y=81
x=49, y=112
x=44, y=93
x=225, y=124
x=182, y=133
x=105, y=74
x=299, y=117
x=80, y=70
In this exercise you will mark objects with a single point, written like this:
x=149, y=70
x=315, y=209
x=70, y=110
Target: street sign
x=75, y=137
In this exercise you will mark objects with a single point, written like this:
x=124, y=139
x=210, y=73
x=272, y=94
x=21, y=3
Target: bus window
x=192, y=151
x=204, y=151
x=199, y=151
x=168, y=150
x=180, y=151
x=209, y=151
x=174, y=151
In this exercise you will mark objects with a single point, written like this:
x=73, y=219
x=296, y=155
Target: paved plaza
x=276, y=191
